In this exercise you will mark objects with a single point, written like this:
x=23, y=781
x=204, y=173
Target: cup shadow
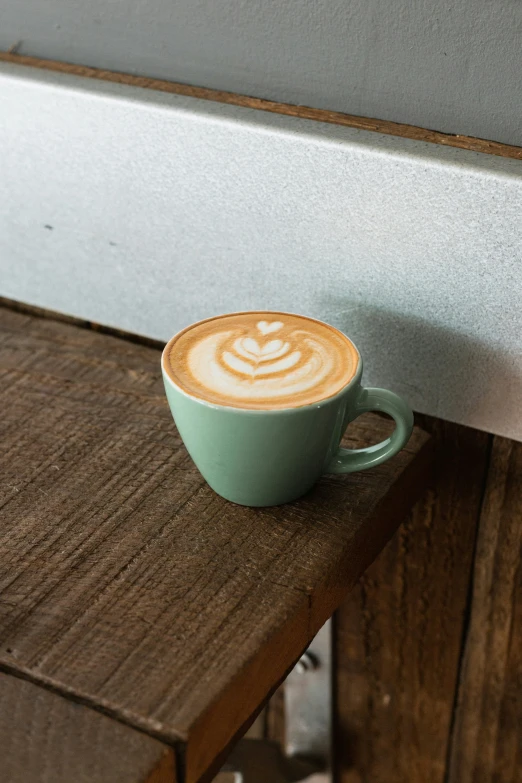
x=437, y=370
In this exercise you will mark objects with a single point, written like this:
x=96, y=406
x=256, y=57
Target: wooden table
x=144, y=619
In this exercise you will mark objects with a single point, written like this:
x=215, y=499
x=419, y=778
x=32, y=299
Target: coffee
x=261, y=360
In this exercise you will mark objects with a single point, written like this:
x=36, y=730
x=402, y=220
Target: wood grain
x=45, y=738
x=53, y=315
x=304, y=112
x=487, y=741
x=128, y=584
x=398, y=635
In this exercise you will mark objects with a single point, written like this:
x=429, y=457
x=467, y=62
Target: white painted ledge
x=147, y=211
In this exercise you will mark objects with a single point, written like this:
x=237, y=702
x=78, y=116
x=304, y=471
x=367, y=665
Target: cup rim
x=318, y=403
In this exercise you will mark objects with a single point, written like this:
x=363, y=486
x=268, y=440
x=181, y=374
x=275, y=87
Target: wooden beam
x=399, y=633
x=487, y=740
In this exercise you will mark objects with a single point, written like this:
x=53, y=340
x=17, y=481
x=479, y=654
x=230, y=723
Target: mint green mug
x=259, y=456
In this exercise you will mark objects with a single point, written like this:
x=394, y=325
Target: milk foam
x=254, y=360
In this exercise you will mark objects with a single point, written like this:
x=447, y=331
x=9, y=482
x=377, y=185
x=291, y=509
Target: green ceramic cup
x=269, y=457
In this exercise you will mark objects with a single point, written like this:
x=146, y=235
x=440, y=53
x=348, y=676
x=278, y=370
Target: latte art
x=261, y=360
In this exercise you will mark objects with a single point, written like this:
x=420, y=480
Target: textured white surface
x=450, y=65
x=147, y=211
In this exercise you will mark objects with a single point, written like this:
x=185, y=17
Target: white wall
x=147, y=211
x=448, y=65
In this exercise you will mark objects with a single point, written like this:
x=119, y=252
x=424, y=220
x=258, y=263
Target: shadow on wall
x=437, y=370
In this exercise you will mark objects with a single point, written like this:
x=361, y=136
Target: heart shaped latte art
x=267, y=327
x=248, y=366
x=250, y=348
x=251, y=361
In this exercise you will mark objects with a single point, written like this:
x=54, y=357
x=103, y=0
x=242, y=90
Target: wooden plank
x=45, y=738
x=487, y=740
x=125, y=580
x=398, y=635
x=304, y=112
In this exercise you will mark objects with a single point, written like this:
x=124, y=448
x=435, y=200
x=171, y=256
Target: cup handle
x=352, y=460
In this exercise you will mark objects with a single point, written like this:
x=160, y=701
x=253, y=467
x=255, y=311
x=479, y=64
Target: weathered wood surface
x=399, y=633
x=45, y=738
x=487, y=740
x=125, y=580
